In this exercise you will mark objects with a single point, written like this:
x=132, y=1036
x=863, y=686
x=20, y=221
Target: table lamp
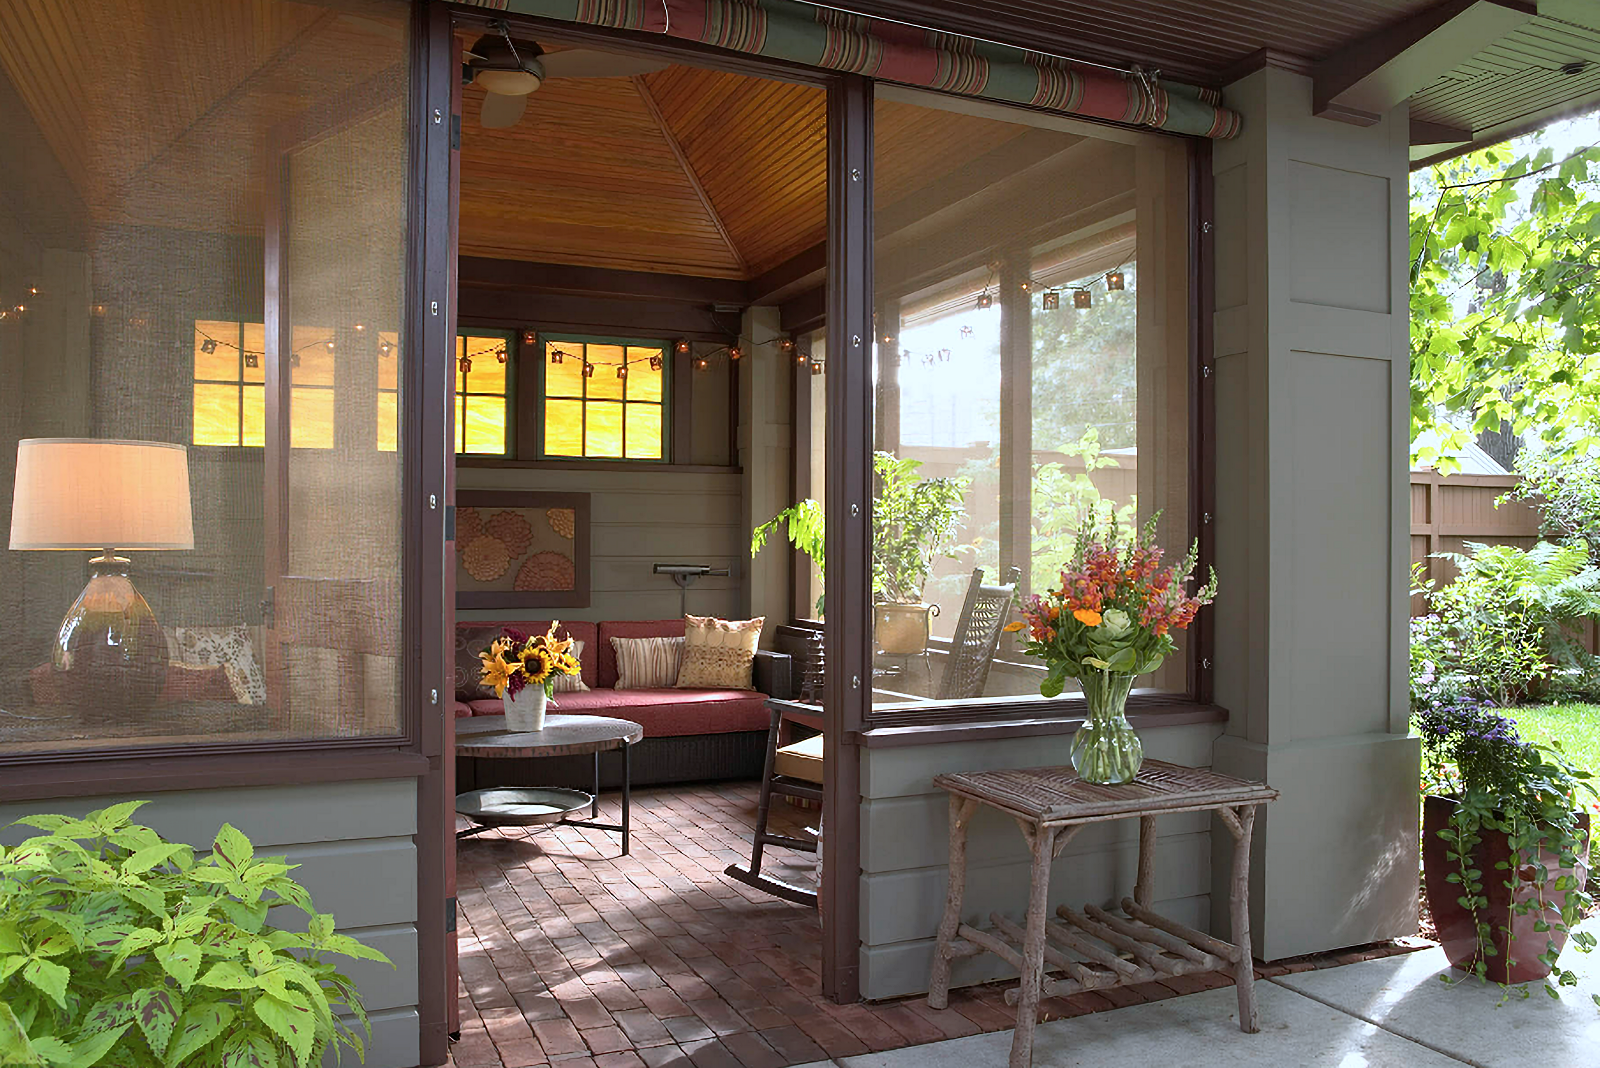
x=86, y=494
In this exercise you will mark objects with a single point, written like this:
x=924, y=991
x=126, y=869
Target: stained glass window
x=604, y=399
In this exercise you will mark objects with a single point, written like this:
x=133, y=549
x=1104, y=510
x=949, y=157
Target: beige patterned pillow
x=572, y=683
x=647, y=663
x=719, y=654
x=230, y=648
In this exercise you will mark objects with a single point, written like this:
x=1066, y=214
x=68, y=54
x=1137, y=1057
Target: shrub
x=1502, y=627
x=1567, y=495
x=120, y=948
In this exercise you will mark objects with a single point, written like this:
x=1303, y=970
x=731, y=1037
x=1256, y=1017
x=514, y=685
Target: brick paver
x=573, y=956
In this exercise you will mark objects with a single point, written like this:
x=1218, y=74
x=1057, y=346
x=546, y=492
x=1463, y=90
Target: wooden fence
x=1449, y=511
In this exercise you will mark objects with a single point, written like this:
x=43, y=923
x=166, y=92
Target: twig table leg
x=939, y=980
x=1244, y=973
x=1144, y=888
x=1042, y=840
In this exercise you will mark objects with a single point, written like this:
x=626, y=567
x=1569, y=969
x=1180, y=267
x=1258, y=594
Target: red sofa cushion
x=646, y=628
x=474, y=635
x=460, y=709
x=662, y=713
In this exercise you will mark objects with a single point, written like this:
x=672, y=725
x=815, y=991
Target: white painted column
x=1312, y=396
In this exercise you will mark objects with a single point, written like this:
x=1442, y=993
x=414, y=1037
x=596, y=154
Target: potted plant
x=913, y=523
x=523, y=672
x=121, y=948
x=1505, y=841
x=1110, y=621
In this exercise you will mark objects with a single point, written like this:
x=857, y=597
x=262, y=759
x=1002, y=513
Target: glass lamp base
x=110, y=656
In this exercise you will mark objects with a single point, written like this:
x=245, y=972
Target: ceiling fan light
x=512, y=82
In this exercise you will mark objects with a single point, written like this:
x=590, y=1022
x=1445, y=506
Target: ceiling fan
x=509, y=70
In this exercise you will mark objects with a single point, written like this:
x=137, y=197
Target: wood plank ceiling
x=683, y=171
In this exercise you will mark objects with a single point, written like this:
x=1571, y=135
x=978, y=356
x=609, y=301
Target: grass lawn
x=1575, y=726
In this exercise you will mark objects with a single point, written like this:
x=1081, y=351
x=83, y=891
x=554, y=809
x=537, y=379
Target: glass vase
x=1106, y=749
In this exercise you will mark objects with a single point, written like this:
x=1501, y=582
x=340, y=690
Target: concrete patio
x=1382, y=1013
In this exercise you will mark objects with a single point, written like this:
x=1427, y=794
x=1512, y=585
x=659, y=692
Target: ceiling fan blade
x=501, y=111
x=588, y=63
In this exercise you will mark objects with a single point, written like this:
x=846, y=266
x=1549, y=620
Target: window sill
x=595, y=465
x=200, y=771
x=1175, y=714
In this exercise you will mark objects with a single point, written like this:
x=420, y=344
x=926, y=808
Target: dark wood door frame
x=848, y=509
x=427, y=441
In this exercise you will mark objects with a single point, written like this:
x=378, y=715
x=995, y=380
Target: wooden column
x=1016, y=418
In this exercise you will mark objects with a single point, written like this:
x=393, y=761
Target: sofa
x=689, y=735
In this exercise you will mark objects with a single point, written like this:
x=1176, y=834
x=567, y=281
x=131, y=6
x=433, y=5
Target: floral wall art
x=522, y=550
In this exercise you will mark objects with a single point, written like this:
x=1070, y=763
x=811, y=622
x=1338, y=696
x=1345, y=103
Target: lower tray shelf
x=1095, y=949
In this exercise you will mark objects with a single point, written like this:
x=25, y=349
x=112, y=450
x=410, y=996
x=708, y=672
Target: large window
x=178, y=239
x=604, y=398
x=1031, y=361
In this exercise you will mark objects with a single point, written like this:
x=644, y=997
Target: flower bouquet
x=523, y=672
x=1110, y=620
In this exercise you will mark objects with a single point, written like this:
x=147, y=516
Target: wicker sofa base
x=656, y=762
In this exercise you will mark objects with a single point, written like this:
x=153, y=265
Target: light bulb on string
x=622, y=372
x=588, y=369
x=1115, y=280
x=208, y=346
x=985, y=300
x=252, y=359
x=556, y=355
x=966, y=331
x=466, y=364
x=329, y=343
x=1051, y=301
x=655, y=363
x=700, y=364
x=681, y=345
x=1081, y=298
x=735, y=353
x=944, y=355
x=816, y=368
x=360, y=327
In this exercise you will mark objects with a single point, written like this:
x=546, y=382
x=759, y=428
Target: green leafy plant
x=807, y=531
x=1567, y=495
x=1505, y=619
x=1531, y=794
x=913, y=522
x=120, y=948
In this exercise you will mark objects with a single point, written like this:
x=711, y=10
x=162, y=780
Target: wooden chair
x=788, y=773
x=977, y=636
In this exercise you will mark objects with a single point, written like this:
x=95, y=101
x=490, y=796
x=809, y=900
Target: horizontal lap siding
x=354, y=844
x=637, y=519
x=905, y=850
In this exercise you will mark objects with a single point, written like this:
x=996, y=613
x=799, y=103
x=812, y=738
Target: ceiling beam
x=1362, y=82
x=1424, y=132
x=484, y=273
x=688, y=170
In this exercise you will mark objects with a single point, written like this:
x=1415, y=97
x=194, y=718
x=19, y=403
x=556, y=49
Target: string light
x=985, y=300
x=816, y=368
x=966, y=331
x=800, y=359
x=1081, y=298
x=1051, y=301
x=330, y=344
x=588, y=369
x=622, y=371
x=944, y=355
x=786, y=345
x=701, y=364
x=556, y=356
x=360, y=327
x=208, y=346
x=1114, y=280
x=734, y=353
x=1026, y=285
x=529, y=337
x=384, y=348
x=251, y=359
x=500, y=354
x=655, y=363
x=681, y=345
x=466, y=364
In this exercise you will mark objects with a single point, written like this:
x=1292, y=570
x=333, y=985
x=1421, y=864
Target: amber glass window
x=604, y=398
x=483, y=392
x=204, y=241
x=1032, y=351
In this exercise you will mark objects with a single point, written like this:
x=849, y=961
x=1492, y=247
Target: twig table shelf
x=1095, y=949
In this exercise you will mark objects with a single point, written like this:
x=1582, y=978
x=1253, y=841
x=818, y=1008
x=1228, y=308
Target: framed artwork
x=522, y=549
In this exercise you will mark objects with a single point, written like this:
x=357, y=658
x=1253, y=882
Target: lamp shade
x=83, y=493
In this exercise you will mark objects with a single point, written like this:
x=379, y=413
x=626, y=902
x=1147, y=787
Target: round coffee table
x=486, y=737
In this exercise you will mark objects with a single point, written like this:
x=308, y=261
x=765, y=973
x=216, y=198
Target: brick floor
x=574, y=956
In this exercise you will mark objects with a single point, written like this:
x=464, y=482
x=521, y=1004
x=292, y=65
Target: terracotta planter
x=1456, y=929
x=903, y=629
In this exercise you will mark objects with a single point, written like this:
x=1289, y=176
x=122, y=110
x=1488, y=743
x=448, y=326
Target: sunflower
x=496, y=672
x=567, y=664
x=536, y=664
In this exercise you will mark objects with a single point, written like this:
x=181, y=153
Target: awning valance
x=837, y=40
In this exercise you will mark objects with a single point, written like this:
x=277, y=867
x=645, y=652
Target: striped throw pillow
x=647, y=663
x=572, y=683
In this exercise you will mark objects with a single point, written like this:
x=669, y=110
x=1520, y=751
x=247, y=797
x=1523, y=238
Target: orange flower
x=1087, y=616
x=1013, y=626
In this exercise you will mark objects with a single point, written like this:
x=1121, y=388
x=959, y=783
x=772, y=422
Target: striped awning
x=837, y=40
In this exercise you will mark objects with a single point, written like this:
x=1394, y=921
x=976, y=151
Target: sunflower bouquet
x=516, y=660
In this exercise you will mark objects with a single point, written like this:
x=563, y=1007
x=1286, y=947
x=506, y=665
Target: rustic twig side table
x=1051, y=805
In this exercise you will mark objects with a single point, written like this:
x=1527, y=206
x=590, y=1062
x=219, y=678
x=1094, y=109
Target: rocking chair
x=977, y=636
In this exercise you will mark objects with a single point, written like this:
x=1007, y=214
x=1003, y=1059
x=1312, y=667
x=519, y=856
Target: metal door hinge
x=449, y=915
x=455, y=133
x=449, y=522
